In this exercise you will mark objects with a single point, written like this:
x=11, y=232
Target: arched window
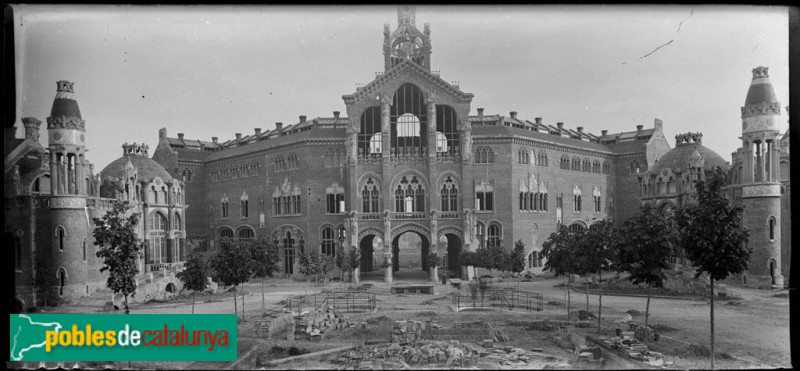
x=369, y=138
x=493, y=235
x=772, y=229
x=565, y=162
x=62, y=280
x=226, y=232
x=328, y=246
x=587, y=165
x=410, y=195
x=576, y=164
x=408, y=118
x=484, y=155
x=335, y=199
x=84, y=249
x=158, y=239
x=606, y=167
x=596, y=167
x=245, y=234
x=447, y=125
x=576, y=227
x=370, y=197
x=60, y=234
x=288, y=253
x=449, y=195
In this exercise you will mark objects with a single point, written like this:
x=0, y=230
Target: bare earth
x=754, y=331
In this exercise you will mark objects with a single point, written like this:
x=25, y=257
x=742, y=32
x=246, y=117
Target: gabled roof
x=314, y=133
x=371, y=89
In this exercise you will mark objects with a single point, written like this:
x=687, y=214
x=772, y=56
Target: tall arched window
x=370, y=197
x=772, y=229
x=493, y=235
x=565, y=162
x=408, y=117
x=226, y=232
x=245, y=234
x=480, y=233
x=448, y=139
x=62, y=280
x=606, y=167
x=410, y=195
x=288, y=253
x=328, y=246
x=576, y=227
x=484, y=155
x=158, y=238
x=449, y=195
x=84, y=249
x=60, y=234
x=369, y=138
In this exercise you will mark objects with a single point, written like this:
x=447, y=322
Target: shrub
x=634, y=312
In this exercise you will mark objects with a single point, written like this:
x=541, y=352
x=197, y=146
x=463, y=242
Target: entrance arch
x=367, y=253
x=424, y=250
x=453, y=254
x=170, y=288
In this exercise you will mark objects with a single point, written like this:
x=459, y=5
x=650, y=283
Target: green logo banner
x=123, y=337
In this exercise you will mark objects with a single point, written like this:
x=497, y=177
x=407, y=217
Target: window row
x=488, y=237
x=289, y=162
x=539, y=158
x=286, y=205
x=233, y=171
x=532, y=201
x=334, y=157
x=585, y=165
x=484, y=155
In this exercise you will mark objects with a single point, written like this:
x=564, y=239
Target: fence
x=504, y=299
x=342, y=300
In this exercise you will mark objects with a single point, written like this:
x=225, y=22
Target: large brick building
x=52, y=195
x=408, y=158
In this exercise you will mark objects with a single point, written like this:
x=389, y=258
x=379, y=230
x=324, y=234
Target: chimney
x=214, y=139
x=336, y=114
x=32, y=125
x=639, y=127
x=480, y=112
x=278, y=125
x=580, y=129
x=162, y=133
x=604, y=132
x=258, y=131
x=560, y=125
x=180, y=136
x=658, y=124
x=238, y=136
x=513, y=114
x=538, y=120
x=302, y=118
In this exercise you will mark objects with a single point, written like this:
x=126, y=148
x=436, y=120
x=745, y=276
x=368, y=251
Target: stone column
x=387, y=247
x=431, y=101
x=748, y=166
x=386, y=132
x=434, y=245
x=53, y=173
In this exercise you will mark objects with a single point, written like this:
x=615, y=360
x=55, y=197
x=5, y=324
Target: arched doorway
x=453, y=254
x=367, y=253
x=405, y=249
x=62, y=280
x=772, y=268
x=170, y=287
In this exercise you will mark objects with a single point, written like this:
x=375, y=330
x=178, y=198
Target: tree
x=559, y=250
x=516, y=260
x=712, y=235
x=315, y=263
x=496, y=258
x=646, y=248
x=194, y=275
x=599, y=248
x=230, y=265
x=352, y=261
x=119, y=246
x=265, y=258
x=45, y=276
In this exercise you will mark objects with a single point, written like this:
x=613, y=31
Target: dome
x=679, y=158
x=65, y=104
x=136, y=154
x=760, y=90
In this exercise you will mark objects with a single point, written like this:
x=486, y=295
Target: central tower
x=406, y=42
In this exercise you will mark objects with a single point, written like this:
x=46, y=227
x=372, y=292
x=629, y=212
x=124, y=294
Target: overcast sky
x=216, y=71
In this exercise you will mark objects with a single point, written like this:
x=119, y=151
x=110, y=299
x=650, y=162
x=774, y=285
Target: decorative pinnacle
x=760, y=72
x=65, y=86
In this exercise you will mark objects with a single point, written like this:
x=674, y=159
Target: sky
x=213, y=71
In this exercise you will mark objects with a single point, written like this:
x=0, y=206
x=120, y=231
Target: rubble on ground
x=315, y=324
x=633, y=348
x=415, y=354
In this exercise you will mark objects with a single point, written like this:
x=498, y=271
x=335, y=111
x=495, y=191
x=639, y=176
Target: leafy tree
x=119, y=246
x=598, y=249
x=713, y=237
x=194, y=275
x=45, y=276
x=265, y=258
x=646, y=247
x=352, y=261
x=516, y=260
x=559, y=250
x=496, y=258
x=315, y=263
x=230, y=265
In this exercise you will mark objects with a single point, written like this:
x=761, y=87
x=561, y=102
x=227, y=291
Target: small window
x=772, y=229
x=485, y=201
x=60, y=233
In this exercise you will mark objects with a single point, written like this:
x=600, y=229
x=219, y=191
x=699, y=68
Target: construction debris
x=315, y=324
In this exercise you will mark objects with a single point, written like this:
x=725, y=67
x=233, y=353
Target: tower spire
x=406, y=42
x=406, y=15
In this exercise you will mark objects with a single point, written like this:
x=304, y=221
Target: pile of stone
x=444, y=354
x=633, y=348
x=408, y=331
x=315, y=324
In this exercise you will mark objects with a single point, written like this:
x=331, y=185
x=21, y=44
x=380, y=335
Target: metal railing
x=341, y=300
x=503, y=299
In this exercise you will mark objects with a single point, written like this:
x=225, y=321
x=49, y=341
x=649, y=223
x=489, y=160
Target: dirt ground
x=751, y=331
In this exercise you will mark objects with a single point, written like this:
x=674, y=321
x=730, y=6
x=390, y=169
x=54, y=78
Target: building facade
x=52, y=195
x=408, y=158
